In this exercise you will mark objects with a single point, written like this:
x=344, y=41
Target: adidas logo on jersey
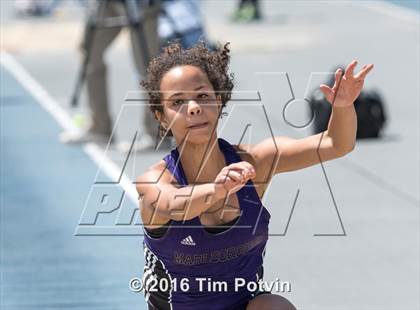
x=188, y=241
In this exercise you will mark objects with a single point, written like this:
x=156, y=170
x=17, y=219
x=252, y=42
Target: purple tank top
x=200, y=268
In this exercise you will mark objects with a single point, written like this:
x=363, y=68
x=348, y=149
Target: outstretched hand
x=346, y=87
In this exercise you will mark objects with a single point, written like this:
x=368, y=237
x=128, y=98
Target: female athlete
x=205, y=226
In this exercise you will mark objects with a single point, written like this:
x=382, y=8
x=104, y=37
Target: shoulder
x=268, y=149
x=149, y=186
x=157, y=173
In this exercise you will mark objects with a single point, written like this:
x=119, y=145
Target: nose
x=194, y=108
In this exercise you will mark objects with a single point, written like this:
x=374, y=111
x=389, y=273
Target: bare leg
x=96, y=78
x=150, y=31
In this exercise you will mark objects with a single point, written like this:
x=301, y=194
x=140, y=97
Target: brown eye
x=203, y=96
x=178, y=102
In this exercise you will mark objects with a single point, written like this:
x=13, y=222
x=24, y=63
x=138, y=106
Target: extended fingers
x=350, y=69
x=363, y=72
x=338, y=76
x=327, y=91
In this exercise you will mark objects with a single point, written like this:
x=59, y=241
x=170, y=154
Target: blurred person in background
x=181, y=20
x=247, y=11
x=40, y=8
x=100, y=128
x=30, y=8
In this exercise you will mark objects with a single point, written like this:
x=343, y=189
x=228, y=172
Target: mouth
x=197, y=126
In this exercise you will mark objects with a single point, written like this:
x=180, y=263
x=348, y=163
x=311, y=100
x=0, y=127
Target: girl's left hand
x=347, y=87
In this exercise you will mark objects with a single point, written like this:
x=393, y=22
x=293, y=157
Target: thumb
x=327, y=91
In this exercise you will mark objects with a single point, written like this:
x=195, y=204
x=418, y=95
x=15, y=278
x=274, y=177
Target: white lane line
x=46, y=101
x=37, y=91
x=390, y=9
x=111, y=169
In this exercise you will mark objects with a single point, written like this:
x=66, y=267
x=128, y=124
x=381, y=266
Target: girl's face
x=190, y=105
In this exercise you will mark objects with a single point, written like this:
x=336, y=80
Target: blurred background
x=349, y=241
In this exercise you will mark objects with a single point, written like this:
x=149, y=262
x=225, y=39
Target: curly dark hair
x=215, y=63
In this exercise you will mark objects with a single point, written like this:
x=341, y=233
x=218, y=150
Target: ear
x=160, y=117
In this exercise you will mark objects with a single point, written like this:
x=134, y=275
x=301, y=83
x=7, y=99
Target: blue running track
x=44, y=185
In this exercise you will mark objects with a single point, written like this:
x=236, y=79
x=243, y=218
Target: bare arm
x=184, y=203
x=167, y=200
x=289, y=154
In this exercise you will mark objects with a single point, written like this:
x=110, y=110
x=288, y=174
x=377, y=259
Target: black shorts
x=241, y=307
x=157, y=302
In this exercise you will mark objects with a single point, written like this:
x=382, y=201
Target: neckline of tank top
x=223, y=145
